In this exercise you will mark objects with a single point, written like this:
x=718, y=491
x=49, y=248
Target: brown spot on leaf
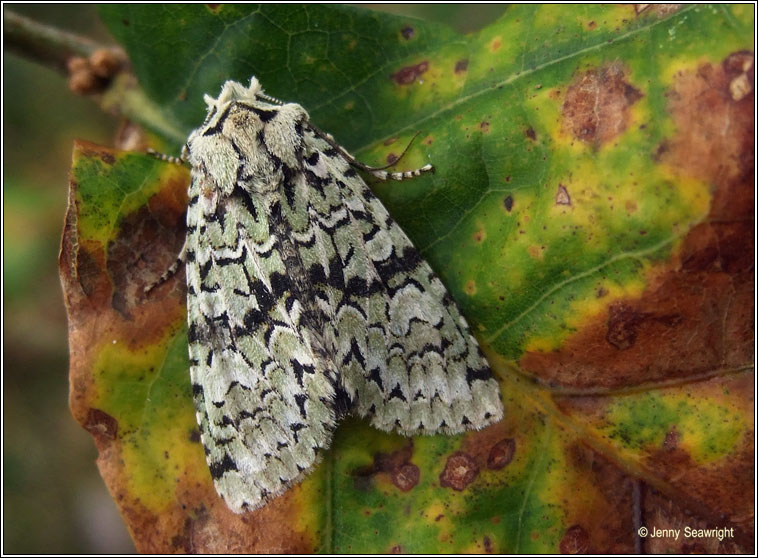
x=409, y=74
x=390, y=141
x=397, y=549
x=508, y=203
x=612, y=489
x=470, y=287
x=740, y=87
x=487, y=545
x=671, y=441
x=133, y=263
x=461, y=66
x=460, y=471
x=530, y=133
x=501, y=454
x=484, y=126
x=738, y=62
x=91, y=150
x=714, y=137
x=575, y=541
x=388, y=462
x=623, y=323
x=216, y=530
x=536, y=251
x=562, y=196
x=406, y=476
x=496, y=44
x=89, y=271
x=479, y=236
x=739, y=67
x=363, y=479
x=660, y=150
x=167, y=205
x=596, y=108
x=102, y=426
x=407, y=32
x=182, y=542
x=591, y=25
x=391, y=158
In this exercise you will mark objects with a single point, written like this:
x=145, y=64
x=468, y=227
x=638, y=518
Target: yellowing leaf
x=591, y=213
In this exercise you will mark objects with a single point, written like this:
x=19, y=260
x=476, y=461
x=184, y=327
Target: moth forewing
x=307, y=302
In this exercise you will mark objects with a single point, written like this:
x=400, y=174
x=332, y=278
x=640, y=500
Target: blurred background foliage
x=54, y=500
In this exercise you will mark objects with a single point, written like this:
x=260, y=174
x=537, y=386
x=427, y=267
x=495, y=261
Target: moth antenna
x=378, y=172
x=165, y=157
x=269, y=98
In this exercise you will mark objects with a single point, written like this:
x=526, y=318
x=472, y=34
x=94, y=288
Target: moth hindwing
x=307, y=302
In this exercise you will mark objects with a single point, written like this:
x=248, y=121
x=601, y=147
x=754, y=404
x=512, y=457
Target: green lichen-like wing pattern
x=307, y=302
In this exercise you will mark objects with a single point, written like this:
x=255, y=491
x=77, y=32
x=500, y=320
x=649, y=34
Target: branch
x=47, y=45
x=95, y=74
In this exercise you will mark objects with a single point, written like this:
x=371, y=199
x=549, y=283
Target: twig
x=44, y=44
x=119, y=94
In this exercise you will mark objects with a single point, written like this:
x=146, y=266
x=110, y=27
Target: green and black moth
x=306, y=303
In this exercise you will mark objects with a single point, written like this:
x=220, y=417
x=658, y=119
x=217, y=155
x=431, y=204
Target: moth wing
x=405, y=354
x=263, y=401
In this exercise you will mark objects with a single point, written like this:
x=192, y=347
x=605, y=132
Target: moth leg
x=182, y=257
x=378, y=172
x=171, y=271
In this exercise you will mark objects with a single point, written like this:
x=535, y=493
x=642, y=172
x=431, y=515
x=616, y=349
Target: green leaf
x=591, y=213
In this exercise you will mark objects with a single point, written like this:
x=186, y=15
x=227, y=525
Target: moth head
x=246, y=127
x=234, y=91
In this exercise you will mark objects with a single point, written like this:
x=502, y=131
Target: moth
x=306, y=302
